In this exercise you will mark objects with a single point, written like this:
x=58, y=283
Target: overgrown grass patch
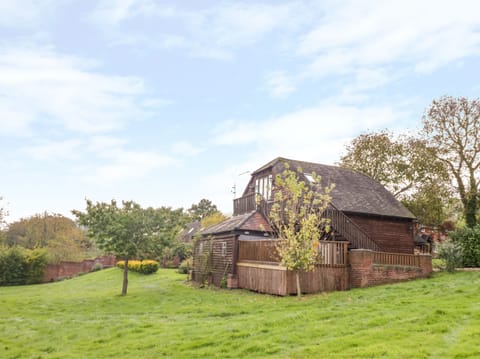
x=163, y=316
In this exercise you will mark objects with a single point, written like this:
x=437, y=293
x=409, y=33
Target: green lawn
x=163, y=316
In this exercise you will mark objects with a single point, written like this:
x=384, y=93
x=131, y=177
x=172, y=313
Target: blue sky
x=169, y=102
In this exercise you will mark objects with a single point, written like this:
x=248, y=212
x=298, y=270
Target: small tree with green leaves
x=125, y=231
x=297, y=218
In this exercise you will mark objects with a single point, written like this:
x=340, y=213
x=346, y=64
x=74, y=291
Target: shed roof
x=251, y=221
x=354, y=192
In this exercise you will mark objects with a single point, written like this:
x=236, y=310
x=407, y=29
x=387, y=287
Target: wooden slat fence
x=261, y=251
x=330, y=252
x=396, y=259
x=333, y=253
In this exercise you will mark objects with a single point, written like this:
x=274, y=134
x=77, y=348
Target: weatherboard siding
x=221, y=262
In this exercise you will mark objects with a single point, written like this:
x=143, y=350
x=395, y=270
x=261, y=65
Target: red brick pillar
x=360, y=267
x=232, y=281
x=425, y=264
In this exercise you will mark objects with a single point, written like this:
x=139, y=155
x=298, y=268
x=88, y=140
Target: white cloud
x=23, y=14
x=316, y=134
x=213, y=32
x=185, y=148
x=43, y=86
x=422, y=35
x=125, y=165
x=279, y=84
x=65, y=149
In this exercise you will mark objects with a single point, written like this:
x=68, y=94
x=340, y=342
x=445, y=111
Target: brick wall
x=365, y=273
x=62, y=270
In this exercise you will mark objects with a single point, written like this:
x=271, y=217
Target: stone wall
x=62, y=270
x=365, y=273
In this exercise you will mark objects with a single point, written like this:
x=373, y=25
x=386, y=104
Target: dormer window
x=309, y=177
x=263, y=186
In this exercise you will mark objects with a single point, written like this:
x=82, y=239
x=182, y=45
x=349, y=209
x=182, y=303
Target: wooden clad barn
x=216, y=254
x=371, y=230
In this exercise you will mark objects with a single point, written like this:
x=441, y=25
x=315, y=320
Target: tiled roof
x=252, y=221
x=354, y=191
x=186, y=235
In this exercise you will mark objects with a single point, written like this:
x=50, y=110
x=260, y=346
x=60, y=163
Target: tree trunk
x=470, y=211
x=125, y=278
x=299, y=290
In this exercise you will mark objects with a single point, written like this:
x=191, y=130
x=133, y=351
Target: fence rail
x=396, y=259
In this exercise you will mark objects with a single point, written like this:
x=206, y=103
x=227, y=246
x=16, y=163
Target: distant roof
x=186, y=235
x=251, y=221
x=353, y=192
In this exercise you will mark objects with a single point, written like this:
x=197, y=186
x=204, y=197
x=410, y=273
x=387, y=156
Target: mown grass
x=163, y=316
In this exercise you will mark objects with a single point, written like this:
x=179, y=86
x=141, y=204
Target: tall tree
x=400, y=163
x=431, y=203
x=3, y=214
x=203, y=209
x=296, y=216
x=407, y=166
x=124, y=231
x=452, y=127
x=59, y=235
x=212, y=219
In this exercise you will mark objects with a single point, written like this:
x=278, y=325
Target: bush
x=36, y=261
x=452, y=254
x=96, y=267
x=186, y=266
x=21, y=266
x=144, y=267
x=468, y=239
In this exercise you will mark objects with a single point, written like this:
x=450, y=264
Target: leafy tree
x=3, y=214
x=125, y=231
x=59, y=235
x=212, y=219
x=468, y=239
x=408, y=167
x=170, y=222
x=203, y=209
x=430, y=203
x=452, y=126
x=297, y=218
x=400, y=163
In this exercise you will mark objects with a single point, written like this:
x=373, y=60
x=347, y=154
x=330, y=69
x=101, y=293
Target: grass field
x=163, y=316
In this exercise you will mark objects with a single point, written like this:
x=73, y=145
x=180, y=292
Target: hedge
x=144, y=267
x=21, y=266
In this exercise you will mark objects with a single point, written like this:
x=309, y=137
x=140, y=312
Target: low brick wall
x=365, y=273
x=62, y=270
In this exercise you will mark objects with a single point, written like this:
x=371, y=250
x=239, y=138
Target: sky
x=169, y=102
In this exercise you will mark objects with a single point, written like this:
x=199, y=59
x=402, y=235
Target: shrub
x=186, y=266
x=21, y=266
x=148, y=267
x=96, y=267
x=36, y=261
x=144, y=267
x=468, y=239
x=452, y=254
